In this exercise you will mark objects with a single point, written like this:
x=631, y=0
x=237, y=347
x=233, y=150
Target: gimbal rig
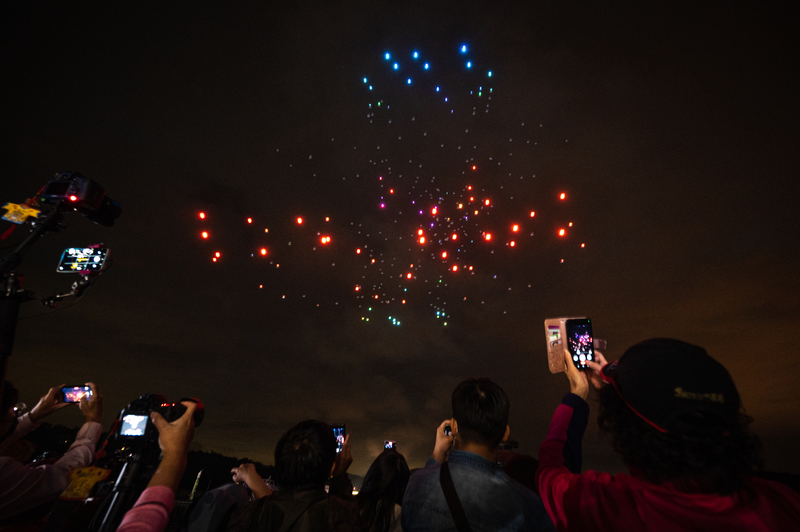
x=69, y=191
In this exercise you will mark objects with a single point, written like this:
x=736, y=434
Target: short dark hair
x=717, y=462
x=481, y=409
x=304, y=456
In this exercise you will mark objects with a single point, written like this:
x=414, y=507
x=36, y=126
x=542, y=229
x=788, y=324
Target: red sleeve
x=560, y=456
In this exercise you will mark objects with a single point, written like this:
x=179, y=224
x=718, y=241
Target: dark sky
x=673, y=130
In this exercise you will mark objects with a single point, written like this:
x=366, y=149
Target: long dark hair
x=383, y=487
x=718, y=463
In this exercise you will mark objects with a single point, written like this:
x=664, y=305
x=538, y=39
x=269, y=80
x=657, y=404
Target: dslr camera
x=134, y=427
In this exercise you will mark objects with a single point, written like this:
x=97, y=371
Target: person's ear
x=453, y=426
x=507, y=434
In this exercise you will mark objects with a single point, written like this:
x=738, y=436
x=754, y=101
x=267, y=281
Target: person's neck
x=490, y=453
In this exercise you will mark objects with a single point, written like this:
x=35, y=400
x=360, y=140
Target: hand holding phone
x=573, y=336
x=49, y=403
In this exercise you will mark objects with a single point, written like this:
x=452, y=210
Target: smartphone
x=133, y=425
x=83, y=260
x=389, y=444
x=448, y=430
x=73, y=394
x=579, y=341
x=339, y=433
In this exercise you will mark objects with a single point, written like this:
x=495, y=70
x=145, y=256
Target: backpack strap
x=451, y=497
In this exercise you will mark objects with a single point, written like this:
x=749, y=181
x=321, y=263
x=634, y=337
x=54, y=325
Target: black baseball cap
x=675, y=387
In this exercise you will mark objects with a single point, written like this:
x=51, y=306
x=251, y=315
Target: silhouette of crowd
x=668, y=408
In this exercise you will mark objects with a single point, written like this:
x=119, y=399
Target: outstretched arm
x=151, y=511
x=247, y=473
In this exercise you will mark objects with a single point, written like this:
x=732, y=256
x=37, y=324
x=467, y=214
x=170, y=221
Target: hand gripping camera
x=136, y=430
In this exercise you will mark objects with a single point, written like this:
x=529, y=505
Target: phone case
x=555, y=330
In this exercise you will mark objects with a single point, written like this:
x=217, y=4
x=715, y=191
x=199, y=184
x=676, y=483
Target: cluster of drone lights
x=429, y=235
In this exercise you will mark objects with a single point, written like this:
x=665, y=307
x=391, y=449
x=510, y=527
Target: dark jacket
x=305, y=511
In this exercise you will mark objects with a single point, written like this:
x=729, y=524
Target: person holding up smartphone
x=675, y=416
x=23, y=488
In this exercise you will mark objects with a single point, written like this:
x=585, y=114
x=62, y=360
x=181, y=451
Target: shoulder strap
x=451, y=497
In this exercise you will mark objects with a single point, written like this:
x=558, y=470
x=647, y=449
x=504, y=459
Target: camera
x=73, y=190
x=134, y=427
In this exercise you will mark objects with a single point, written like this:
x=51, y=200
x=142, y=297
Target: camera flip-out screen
x=133, y=425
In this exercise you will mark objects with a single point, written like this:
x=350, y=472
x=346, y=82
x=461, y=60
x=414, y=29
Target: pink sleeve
x=554, y=479
x=24, y=426
x=23, y=488
x=151, y=511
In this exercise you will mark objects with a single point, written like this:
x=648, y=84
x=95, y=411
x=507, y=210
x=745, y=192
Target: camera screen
x=579, y=341
x=133, y=425
x=388, y=444
x=73, y=394
x=338, y=432
x=82, y=260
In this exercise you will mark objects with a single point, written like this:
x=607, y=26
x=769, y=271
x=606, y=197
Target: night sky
x=672, y=131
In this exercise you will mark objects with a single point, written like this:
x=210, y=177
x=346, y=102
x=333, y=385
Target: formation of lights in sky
x=443, y=203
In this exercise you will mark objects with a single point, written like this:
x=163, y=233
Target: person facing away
x=305, y=457
x=381, y=495
x=23, y=488
x=675, y=416
x=491, y=500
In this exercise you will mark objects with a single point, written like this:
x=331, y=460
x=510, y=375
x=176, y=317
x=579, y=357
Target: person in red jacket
x=675, y=416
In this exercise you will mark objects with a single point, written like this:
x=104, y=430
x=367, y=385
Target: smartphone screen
x=579, y=342
x=73, y=394
x=133, y=425
x=339, y=433
x=389, y=444
x=75, y=260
